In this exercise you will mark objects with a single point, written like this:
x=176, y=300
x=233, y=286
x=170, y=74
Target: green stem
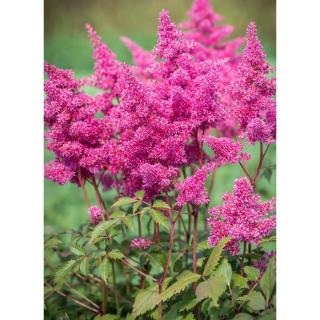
x=115, y=291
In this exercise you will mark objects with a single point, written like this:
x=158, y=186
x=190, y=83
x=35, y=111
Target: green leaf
x=123, y=202
x=84, y=266
x=77, y=250
x=256, y=301
x=115, y=254
x=183, y=280
x=62, y=272
x=268, y=315
x=145, y=300
x=144, y=211
x=225, y=271
x=243, y=316
x=107, y=317
x=136, y=206
x=203, y=245
x=159, y=217
x=101, y=229
x=268, y=280
x=252, y=273
x=118, y=214
x=239, y=281
x=189, y=304
x=53, y=242
x=128, y=222
x=104, y=269
x=160, y=204
x=189, y=316
x=140, y=194
x=215, y=256
x=213, y=288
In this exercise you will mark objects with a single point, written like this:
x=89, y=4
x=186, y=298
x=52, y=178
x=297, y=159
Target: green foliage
x=183, y=280
x=215, y=257
x=256, y=301
x=105, y=269
x=252, y=273
x=124, y=201
x=268, y=280
x=159, y=218
x=145, y=300
x=160, y=204
x=212, y=288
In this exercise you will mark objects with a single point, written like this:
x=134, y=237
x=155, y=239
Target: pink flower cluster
x=243, y=217
x=158, y=114
x=95, y=215
x=140, y=243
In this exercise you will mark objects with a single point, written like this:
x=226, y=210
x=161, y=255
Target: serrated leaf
x=256, y=301
x=189, y=304
x=252, y=273
x=140, y=194
x=118, y=214
x=128, y=222
x=239, y=281
x=115, y=254
x=243, y=316
x=53, y=242
x=84, y=266
x=77, y=250
x=159, y=218
x=124, y=201
x=268, y=280
x=136, y=206
x=160, y=204
x=212, y=288
x=203, y=245
x=104, y=269
x=144, y=211
x=183, y=280
x=215, y=256
x=101, y=229
x=225, y=271
x=145, y=301
x=62, y=272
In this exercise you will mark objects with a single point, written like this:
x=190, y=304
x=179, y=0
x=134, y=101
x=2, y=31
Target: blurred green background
x=66, y=45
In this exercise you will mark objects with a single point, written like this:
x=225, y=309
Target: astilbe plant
x=184, y=110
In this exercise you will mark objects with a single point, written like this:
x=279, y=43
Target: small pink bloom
x=140, y=243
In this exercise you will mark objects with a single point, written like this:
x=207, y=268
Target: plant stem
x=76, y=301
x=166, y=266
x=139, y=225
x=194, y=285
x=243, y=257
x=84, y=190
x=82, y=296
x=99, y=199
x=114, y=280
x=104, y=296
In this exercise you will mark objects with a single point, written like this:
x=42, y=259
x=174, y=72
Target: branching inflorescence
x=192, y=92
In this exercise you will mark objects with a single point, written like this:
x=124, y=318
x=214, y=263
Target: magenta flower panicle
x=193, y=189
x=226, y=150
x=243, y=217
x=253, y=92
